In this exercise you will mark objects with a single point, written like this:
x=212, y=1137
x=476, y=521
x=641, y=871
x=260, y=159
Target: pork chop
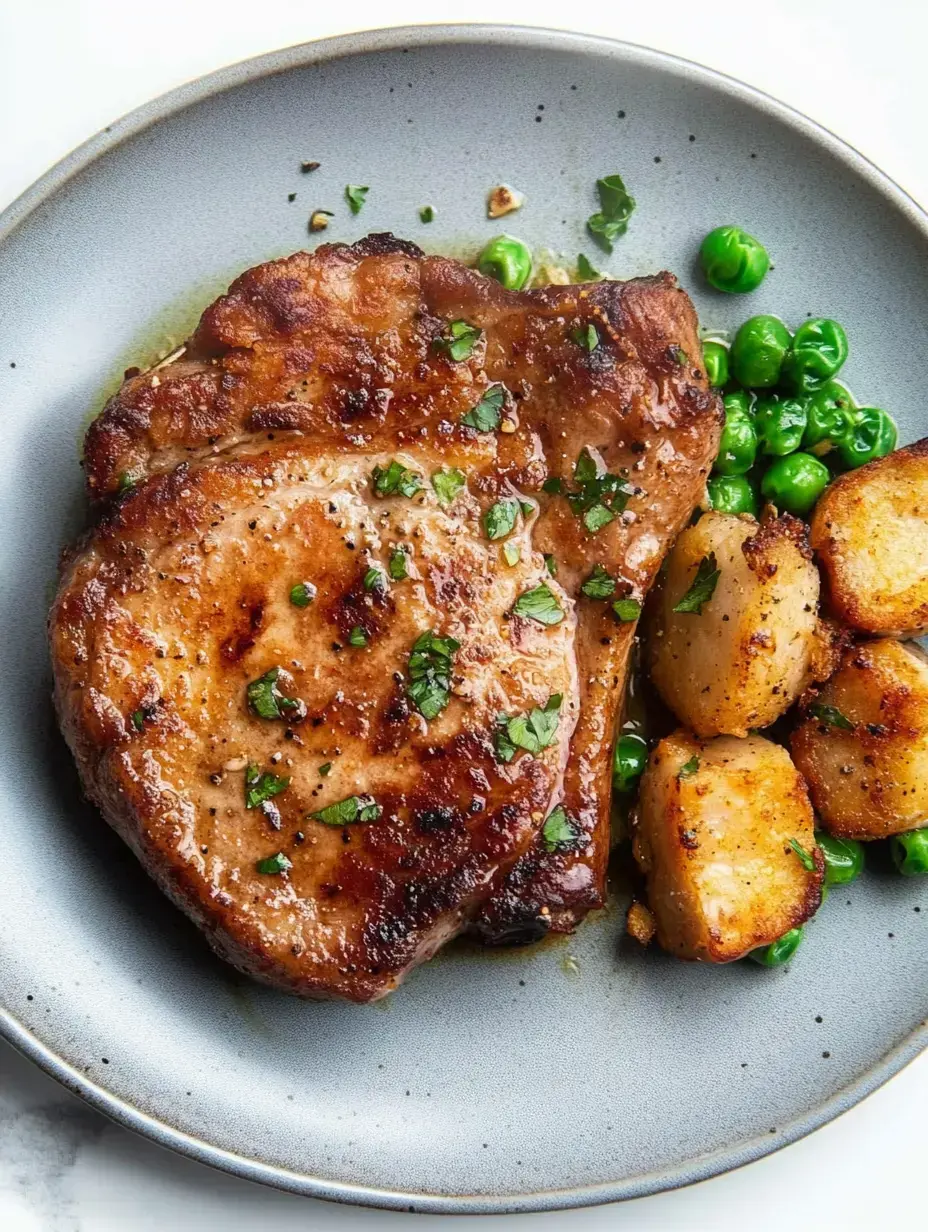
x=324, y=661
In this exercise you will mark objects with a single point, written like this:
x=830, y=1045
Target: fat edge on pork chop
x=324, y=660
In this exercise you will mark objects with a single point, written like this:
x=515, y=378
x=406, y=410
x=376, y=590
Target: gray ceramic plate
x=547, y=1078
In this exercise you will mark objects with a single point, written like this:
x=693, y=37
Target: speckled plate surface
x=578, y=1072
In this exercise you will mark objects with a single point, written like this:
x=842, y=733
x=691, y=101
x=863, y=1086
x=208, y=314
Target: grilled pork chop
x=324, y=661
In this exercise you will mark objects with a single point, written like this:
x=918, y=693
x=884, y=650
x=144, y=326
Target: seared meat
x=281, y=610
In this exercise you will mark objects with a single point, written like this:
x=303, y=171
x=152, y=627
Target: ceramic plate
x=573, y=1073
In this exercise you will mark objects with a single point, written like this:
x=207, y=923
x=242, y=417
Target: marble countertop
x=66, y=70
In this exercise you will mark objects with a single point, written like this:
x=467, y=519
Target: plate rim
x=163, y=107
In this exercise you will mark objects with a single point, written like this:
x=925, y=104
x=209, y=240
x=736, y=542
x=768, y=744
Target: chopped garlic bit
x=319, y=220
x=503, y=200
x=640, y=923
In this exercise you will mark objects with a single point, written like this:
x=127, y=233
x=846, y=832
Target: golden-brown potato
x=712, y=835
x=872, y=780
x=746, y=657
x=870, y=530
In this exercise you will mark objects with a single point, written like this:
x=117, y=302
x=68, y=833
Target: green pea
x=778, y=952
x=628, y=762
x=738, y=444
x=739, y=402
x=715, y=362
x=733, y=261
x=781, y=423
x=910, y=852
x=758, y=351
x=795, y=483
x=732, y=494
x=844, y=858
x=872, y=435
x=818, y=351
x=831, y=416
x=507, y=260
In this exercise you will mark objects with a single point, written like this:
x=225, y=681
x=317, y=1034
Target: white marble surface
x=67, y=69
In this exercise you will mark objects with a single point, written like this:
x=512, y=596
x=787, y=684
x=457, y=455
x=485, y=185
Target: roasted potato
x=756, y=643
x=713, y=835
x=870, y=530
x=863, y=745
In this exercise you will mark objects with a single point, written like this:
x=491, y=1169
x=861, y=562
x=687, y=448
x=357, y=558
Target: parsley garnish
x=804, y=858
x=395, y=480
x=138, y=719
x=267, y=701
x=346, y=812
x=831, y=716
x=539, y=604
x=278, y=863
x=430, y=662
x=374, y=579
x=553, y=486
x=324, y=769
x=600, y=497
x=626, y=610
x=397, y=565
x=355, y=195
x=426, y=213
x=500, y=519
x=702, y=588
x=689, y=768
x=586, y=272
x=550, y=564
x=586, y=336
x=615, y=209
x=527, y=508
x=358, y=636
x=485, y=416
x=302, y=594
x=125, y=483
x=559, y=833
x=447, y=484
x=261, y=786
x=532, y=732
x=458, y=340
x=512, y=553
x=599, y=585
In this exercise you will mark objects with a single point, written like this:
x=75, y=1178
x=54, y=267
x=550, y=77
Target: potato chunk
x=870, y=529
x=748, y=654
x=863, y=746
x=712, y=836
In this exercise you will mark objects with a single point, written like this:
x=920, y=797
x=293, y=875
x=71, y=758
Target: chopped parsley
x=426, y=213
x=615, y=209
x=512, y=553
x=599, y=585
x=125, y=483
x=804, y=858
x=500, y=519
x=831, y=716
x=532, y=732
x=599, y=496
x=374, y=579
x=553, y=486
x=527, y=508
x=346, y=812
x=586, y=336
x=626, y=610
x=324, y=769
x=457, y=341
x=261, y=786
x=138, y=719
x=560, y=833
x=486, y=415
x=358, y=637
x=278, y=863
x=355, y=195
x=702, y=588
x=302, y=594
x=586, y=271
x=550, y=564
x=397, y=565
x=395, y=480
x=430, y=662
x=447, y=484
x=267, y=701
x=539, y=604
x=689, y=768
